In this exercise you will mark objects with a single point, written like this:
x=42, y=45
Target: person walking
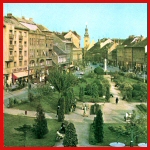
x=117, y=100
x=58, y=107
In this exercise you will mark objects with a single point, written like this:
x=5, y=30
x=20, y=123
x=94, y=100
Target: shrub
x=94, y=109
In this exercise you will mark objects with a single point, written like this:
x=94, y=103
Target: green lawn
x=48, y=102
x=110, y=136
x=14, y=138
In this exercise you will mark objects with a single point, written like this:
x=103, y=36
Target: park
x=87, y=107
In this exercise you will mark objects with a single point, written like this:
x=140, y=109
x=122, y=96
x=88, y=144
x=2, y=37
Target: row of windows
x=21, y=63
x=20, y=33
x=20, y=42
x=40, y=53
x=34, y=41
x=20, y=53
x=48, y=62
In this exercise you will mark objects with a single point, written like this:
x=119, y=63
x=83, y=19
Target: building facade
x=15, y=50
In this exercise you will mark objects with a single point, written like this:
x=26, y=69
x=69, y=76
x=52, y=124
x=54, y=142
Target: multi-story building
x=40, y=48
x=75, y=38
x=60, y=57
x=49, y=46
x=15, y=50
x=134, y=52
x=64, y=45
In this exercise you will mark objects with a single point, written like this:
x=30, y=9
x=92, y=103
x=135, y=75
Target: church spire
x=86, y=32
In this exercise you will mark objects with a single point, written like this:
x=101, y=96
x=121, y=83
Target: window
x=20, y=53
x=20, y=42
x=25, y=53
x=25, y=43
x=10, y=42
x=25, y=62
x=10, y=31
x=8, y=65
x=20, y=33
x=15, y=64
x=15, y=53
x=30, y=41
x=11, y=53
x=15, y=42
x=15, y=33
x=20, y=63
x=25, y=34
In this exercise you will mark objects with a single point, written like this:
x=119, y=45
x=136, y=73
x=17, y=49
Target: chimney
x=31, y=19
x=9, y=15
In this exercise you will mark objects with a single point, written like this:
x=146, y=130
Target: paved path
x=112, y=113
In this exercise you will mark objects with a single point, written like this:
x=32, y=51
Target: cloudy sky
x=103, y=20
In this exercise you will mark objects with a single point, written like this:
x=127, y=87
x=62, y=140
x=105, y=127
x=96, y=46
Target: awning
x=20, y=74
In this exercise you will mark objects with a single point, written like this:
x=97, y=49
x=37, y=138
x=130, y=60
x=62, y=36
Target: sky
x=103, y=20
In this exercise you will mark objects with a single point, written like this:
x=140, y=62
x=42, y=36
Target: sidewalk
x=112, y=113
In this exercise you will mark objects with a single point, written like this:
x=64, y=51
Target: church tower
x=86, y=39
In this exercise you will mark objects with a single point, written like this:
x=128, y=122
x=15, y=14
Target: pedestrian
x=74, y=107
x=117, y=100
x=58, y=107
x=62, y=129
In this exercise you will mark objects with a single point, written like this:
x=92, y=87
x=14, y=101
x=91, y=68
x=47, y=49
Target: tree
x=138, y=127
x=61, y=110
x=107, y=94
x=81, y=93
x=70, y=139
x=100, y=87
x=94, y=91
x=40, y=126
x=99, y=71
x=24, y=129
x=61, y=81
x=98, y=127
x=69, y=99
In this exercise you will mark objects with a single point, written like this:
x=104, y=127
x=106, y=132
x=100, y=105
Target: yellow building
x=77, y=50
x=40, y=48
x=15, y=50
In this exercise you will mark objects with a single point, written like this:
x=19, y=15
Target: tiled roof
x=142, y=43
x=42, y=28
x=76, y=34
x=128, y=41
x=30, y=26
x=30, y=21
x=58, y=50
x=14, y=22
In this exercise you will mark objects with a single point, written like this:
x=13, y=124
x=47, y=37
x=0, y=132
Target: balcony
x=11, y=58
x=11, y=47
x=20, y=37
x=20, y=46
x=20, y=57
x=11, y=36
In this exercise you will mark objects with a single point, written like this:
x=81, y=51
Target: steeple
x=86, y=39
x=86, y=32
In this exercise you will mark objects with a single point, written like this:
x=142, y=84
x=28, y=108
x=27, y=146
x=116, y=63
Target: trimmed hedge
x=94, y=109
